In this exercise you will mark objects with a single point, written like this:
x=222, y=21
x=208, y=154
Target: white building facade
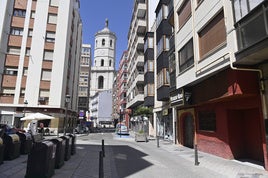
x=40, y=52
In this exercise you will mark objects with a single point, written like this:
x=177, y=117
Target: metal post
x=157, y=139
x=67, y=100
x=196, y=163
x=120, y=122
x=101, y=174
x=102, y=146
x=24, y=110
x=64, y=121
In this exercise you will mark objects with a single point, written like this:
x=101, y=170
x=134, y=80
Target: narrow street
x=125, y=158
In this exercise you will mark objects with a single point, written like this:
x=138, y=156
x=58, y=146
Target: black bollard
x=157, y=139
x=196, y=163
x=102, y=146
x=101, y=174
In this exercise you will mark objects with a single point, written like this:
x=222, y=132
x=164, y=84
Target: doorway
x=188, y=130
x=244, y=134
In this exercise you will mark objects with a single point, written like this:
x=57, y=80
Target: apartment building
x=84, y=81
x=137, y=30
x=40, y=58
x=221, y=77
x=121, y=90
x=140, y=82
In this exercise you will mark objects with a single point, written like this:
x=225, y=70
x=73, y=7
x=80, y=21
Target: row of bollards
x=101, y=156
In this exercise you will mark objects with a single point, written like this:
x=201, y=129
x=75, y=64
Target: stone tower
x=103, y=67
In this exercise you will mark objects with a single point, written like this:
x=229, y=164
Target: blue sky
x=94, y=13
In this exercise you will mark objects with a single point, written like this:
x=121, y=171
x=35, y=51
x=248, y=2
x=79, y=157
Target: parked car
x=122, y=130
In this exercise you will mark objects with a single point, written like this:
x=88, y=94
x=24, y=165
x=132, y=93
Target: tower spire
x=106, y=23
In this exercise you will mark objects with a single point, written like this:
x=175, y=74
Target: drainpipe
x=262, y=88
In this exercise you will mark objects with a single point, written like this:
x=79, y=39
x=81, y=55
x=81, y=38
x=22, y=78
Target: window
x=149, y=90
x=13, y=50
x=207, y=120
x=54, y=3
x=28, y=51
x=111, y=43
x=102, y=62
x=149, y=43
x=184, y=12
x=52, y=18
x=8, y=91
x=172, y=63
x=110, y=62
x=22, y=92
x=162, y=14
x=16, y=31
x=149, y=66
x=50, y=37
x=163, y=78
x=43, y=97
x=19, y=13
x=162, y=45
x=48, y=55
x=212, y=36
x=32, y=14
x=186, y=56
x=25, y=71
x=44, y=93
x=11, y=71
x=243, y=7
x=30, y=33
x=100, y=82
x=96, y=43
x=247, y=33
x=103, y=42
x=46, y=75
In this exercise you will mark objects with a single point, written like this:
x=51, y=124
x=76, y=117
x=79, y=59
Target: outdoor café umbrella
x=37, y=116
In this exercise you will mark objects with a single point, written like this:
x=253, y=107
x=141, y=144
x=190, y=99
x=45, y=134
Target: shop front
x=229, y=120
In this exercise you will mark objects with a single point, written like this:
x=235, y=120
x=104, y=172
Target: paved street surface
x=126, y=158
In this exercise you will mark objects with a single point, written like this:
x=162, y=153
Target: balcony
x=170, y=17
x=252, y=41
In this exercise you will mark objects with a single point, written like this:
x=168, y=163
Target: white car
x=123, y=130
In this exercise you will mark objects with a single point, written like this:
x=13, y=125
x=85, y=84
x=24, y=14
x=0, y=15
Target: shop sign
x=180, y=97
x=165, y=112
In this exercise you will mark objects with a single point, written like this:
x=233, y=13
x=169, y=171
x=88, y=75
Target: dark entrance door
x=188, y=131
x=245, y=135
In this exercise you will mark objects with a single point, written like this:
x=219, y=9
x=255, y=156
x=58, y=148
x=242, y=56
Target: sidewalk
x=228, y=168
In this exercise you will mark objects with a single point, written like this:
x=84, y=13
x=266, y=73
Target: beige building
x=40, y=51
x=84, y=81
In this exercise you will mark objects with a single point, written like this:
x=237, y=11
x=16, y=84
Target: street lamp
x=24, y=109
x=67, y=100
x=25, y=105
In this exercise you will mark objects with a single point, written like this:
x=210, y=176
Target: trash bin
x=60, y=151
x=41, y=160
x=73, y=138
x=26, y=142
x=12, y=146
x=1, y=151
x=67, y=154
